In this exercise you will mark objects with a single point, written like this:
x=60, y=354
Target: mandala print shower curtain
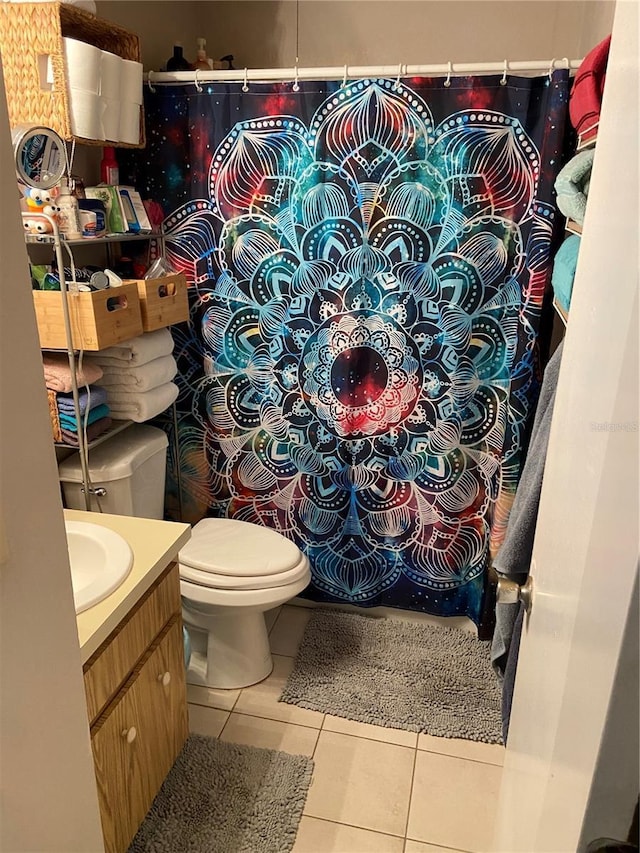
x=367, y=265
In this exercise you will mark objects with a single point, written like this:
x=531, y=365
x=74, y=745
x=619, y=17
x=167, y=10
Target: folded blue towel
x=69, y=422
x=572, y=185
x=96, y=396
x=564, y=270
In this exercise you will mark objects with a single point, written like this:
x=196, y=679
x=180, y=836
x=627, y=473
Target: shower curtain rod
x=350, y=72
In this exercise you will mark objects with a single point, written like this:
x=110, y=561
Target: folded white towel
x=141, y=406
x=137, y=351
x=143, y=378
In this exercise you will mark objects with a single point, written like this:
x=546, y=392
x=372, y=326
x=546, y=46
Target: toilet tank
x=130, y=467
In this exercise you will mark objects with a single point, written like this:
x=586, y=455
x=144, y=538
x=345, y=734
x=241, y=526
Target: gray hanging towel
x=514, y=557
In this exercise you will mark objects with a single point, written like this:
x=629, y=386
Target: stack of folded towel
x=93, y=411
x=572, y=185
x=62, y=410
x=564, y=271
x=137, y=376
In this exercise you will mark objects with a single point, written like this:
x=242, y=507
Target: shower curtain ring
x=344, y=79
x=566, y=59
x=552, y=66
x=396, y=85
x=503, y=80
x=245, y=85
x=296, y=85
x=150, y=82
x=198, y=86
x=447, y=82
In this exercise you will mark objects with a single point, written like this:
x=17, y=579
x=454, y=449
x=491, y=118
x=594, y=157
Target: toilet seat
x=217, y=581
x=227, y=554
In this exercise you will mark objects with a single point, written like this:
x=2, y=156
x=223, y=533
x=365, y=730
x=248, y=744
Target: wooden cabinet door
x=162, y=689
x=138, y=738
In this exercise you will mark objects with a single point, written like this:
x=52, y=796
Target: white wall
x=597, y=23
x=367, y=32
x=48, y=799
x=262, y=33
x=159, y=23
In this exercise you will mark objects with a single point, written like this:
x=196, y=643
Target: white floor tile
x=288, y=630
x=453, y=802
x=261, y=700
x=206, y=721
x=361, y=782
x=381, y=733
x=270, y=734
x=322, y=836
x=419, y=847
x=490, y=753
x=212, y=697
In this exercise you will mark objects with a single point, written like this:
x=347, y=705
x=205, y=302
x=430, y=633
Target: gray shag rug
x=399, y=674
x=221, y=797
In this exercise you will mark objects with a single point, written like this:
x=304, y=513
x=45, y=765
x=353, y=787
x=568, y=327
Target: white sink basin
x=100, y=560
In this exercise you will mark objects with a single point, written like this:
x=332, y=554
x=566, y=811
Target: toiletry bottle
x=109, y=172
x=202, y=61
x=69, y=215
x=177, y=61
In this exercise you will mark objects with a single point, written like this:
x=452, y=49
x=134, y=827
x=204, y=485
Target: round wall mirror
x=40, y=156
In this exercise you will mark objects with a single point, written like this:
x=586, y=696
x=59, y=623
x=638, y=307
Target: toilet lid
x=223, y=546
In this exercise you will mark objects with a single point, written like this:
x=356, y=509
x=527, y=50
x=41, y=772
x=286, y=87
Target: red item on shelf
x=155, y=214
x=109, y=172
x=586, y=95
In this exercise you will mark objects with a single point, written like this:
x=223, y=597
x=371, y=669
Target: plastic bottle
x=177, y=61
x=69, y=215
x=202, y=61
x=109, y=172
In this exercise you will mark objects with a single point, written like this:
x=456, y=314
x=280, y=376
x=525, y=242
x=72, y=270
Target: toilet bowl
x=231, y=572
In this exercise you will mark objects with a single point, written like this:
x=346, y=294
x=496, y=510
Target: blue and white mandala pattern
x=367, y=289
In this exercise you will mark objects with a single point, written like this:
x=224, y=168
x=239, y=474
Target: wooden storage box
x=32, y=32
x=163, y=301
x=99, y=319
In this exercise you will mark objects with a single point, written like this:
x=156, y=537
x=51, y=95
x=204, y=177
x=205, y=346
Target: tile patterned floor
x=374, y=789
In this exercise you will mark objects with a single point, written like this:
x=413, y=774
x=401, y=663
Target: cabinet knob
x=165, y=678
x=130, y=734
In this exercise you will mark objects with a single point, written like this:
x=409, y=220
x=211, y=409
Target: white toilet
x=231, y=572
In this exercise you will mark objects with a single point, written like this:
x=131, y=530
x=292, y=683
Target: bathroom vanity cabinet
x=132, y=653
x=136, y=700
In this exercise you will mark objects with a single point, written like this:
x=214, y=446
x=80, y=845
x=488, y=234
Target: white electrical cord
x=85, y=425
x=69, y=159
x=85, y=420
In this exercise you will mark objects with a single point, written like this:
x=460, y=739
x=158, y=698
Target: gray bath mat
x=404, y=675
x=225, y=798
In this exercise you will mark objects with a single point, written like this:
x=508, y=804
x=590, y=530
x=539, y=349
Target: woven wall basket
x=31, y=31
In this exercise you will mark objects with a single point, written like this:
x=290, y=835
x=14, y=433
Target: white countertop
x=154, y=544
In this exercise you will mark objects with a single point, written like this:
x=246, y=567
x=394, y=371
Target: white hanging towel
x=142, y=378
x=137, y=351
x=141, y=406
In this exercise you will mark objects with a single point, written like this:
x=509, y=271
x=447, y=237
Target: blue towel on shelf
x=572, y=185
x=91, y=399
x=69, y=423
x=564, y=270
